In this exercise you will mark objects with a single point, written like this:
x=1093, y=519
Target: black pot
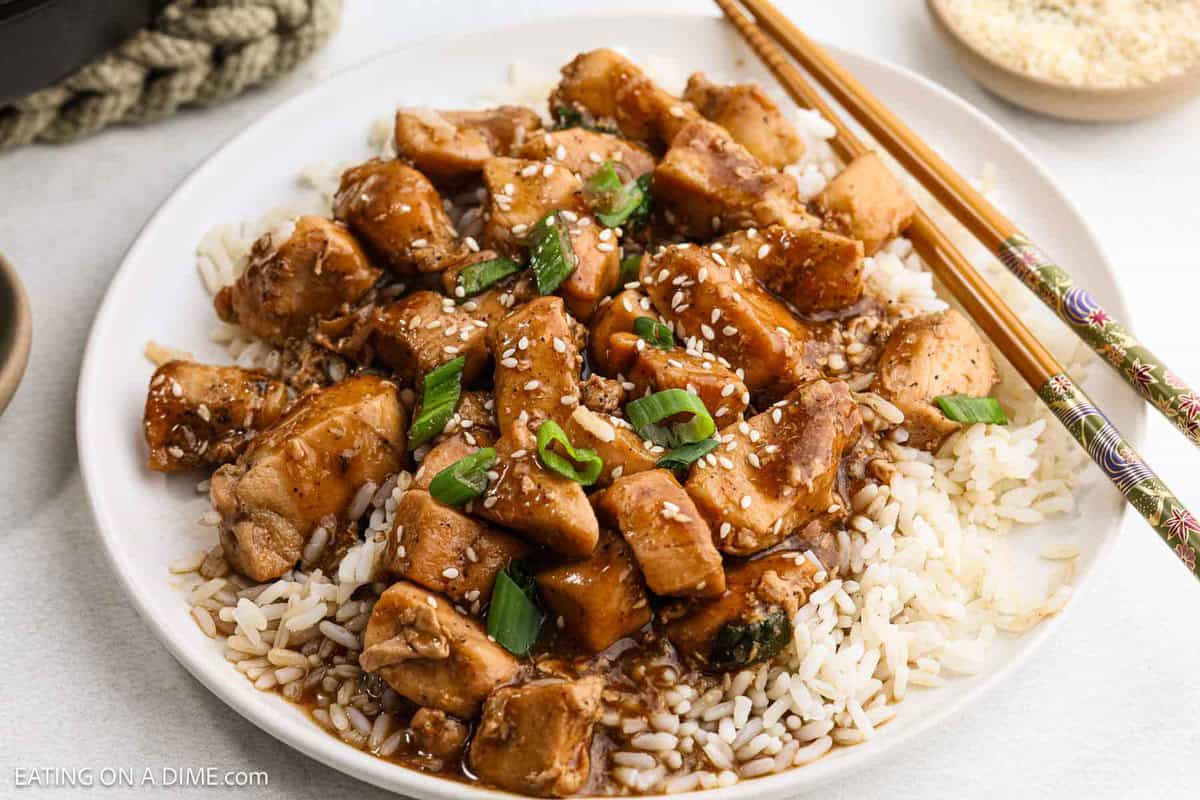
x=42, y=41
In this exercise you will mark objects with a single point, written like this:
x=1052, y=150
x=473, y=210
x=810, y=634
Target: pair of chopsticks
x=1088, y=425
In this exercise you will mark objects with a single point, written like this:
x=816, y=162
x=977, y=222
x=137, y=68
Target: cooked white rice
x=923, y=586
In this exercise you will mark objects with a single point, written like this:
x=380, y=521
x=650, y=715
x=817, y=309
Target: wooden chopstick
x=1115, y=456
x=1074, y=305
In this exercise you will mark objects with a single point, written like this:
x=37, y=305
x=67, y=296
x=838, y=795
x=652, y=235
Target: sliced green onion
x=567, y=117
x=654, y=332
x=646, y=206
x=463, y=480
x=613, y=201
x=513, y=620
x=631, y=267
x=645, y=414
x=547, y=434
x=443, y=388
x=483, y=275
x=681, y=458
x=961, y=408
x=551, y=257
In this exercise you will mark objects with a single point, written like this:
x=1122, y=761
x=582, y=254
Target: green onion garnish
x=654, y=332
x=646, y=206
x=513, y=620
x=631, y=267
x=484, y=274
x=679, y=459
x=551, y=257
x=463, y=480
x=961, y=408
x=443, y=387
x=645, y=414
x=591, y=464
x=567, y=117
x=614, y=202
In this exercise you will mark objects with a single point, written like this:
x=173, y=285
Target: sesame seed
x=488, y=502
x=717, y=258
x=559, y=345
x=726, y=528
x=569, y=216
x=776, y=416
x=451, y=349
x=707, y=332
x=547, y=170
x=432, y=602
x=728, y=390
x=508, y=362
x=753, y=459
x=746, y=501
x=560, y=152
x=531, y=385
x=677, y=112
x=450, y=573
x=530, y=171
x=523, y=343
x=518, y=453
x=604, y=247
x=417, y=244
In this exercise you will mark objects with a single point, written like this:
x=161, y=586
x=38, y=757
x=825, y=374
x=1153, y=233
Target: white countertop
x=1109, y=708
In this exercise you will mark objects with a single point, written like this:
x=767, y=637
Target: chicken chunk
x=437, y=734
x=611, y=87
x=597, y=272
x=813, y=269
x=784, y=468
x=600, y=599
x=303, y=269
x=431, y=654
x=750, y=116
x=448, y=450
x=927, y=357
x=622, y=451
x=671, y=542
x=520, y=194
x=866, y=202
x=535, y=739
x=602, y=395
x=708, y=183
x=539, y=505
x=714, y=298
x=584, y=152
x=199, y=415
x=446, y=551
x=306, y=469
x=618, y=316
x=450, y=146
x=751, y=621
x=651, y=369
x=399, y=214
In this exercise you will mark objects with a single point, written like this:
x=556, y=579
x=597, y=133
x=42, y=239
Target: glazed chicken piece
x=584, y=152
x=437, y=734
x=600, y=599
x=536, y=379
x=615, y=317
x=305, y=471
x=651, y=369
x=476, y=412
x=537, y=504
x=751, y=621
x=431, y=654
x=813, y=269
x=200, y=415
x=446, y=551
x=750, y=116
x=448, y=450
x=708, y=183
x=451, y=146
x=866, y=202
x=597, y=271
x=610, y=87
x=301, y=270
x=399, y=214
x=535, y=739
x=778, y=470
x=715, y=299
x=927, y=357
x=520, y=194
x=670, y=540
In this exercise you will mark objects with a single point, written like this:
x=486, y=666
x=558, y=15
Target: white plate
x=147, y=520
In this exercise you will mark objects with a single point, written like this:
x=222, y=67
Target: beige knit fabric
x=196, y=52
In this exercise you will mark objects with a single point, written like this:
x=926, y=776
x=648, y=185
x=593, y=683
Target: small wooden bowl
x=1062, y=100
x=16, y=332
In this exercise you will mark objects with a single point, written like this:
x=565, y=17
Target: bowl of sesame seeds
x=1104, y=61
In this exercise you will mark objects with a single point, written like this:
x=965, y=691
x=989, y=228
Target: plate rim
x=330, y=751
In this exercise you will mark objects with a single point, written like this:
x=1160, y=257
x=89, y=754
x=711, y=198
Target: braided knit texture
x=196, y=53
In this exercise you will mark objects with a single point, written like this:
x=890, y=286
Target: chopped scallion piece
x=654, y=332
x=463, y=480
x=551, y=257
x=631, y=267
x=684, y=456
x=567, y=117
x=646, y=206
x=961, y=408
x=589, y=462
x=443, y=387
x=484, y=274
x=613, y=201
x=646, y=413
x=513, y=620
